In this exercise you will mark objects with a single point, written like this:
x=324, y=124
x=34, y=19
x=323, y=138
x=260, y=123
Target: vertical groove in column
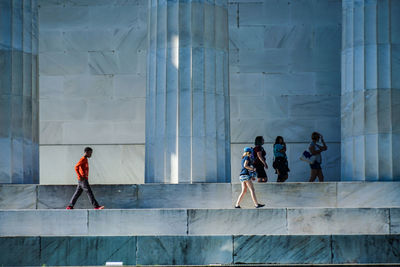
x=19, y=129
x=189, y=66
x=367, y=67
x=185, y=93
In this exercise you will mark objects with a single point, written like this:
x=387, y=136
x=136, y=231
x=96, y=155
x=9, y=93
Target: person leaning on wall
x=316, y=150
x=259, y=160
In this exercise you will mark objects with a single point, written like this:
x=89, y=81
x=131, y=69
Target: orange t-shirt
x=82, y=168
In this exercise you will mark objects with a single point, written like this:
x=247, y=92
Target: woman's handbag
x=307, y=157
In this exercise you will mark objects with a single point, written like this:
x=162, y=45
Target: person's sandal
x=237, y=207
x=259, y=206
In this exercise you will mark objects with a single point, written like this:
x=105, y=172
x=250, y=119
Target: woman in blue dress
x=247, y=175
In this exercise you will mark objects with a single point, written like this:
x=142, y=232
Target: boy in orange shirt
x=82, y=169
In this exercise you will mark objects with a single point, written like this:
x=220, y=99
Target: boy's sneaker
x=69, y=208
x=99, y=208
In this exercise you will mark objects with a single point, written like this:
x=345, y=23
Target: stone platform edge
x=206, y=195
x=202, y=222
x=199, y=250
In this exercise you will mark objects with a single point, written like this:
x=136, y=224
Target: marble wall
x=284, y=80
x=92, y=89
x=19, y=150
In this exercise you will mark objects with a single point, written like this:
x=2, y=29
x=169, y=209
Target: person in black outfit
x=259, y=161
x=280, y=160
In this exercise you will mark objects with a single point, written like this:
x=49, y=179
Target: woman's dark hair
x=87, y=149
x=258, y=141
x=314, y=136
x=277, y=139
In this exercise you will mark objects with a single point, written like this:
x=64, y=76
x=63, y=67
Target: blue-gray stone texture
x=199, y=250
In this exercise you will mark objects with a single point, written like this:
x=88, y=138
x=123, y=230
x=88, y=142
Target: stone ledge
x=207, y=195
x=200, y=250
x=199, y=222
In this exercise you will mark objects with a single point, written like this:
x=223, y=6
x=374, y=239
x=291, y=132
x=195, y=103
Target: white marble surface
x=18, y=119
x=260, y=35
x=237, y=221
x=338, y=221
x=368, y=102
x=18, y=196
x=199, y=222
x=384, y=194
x=137, y=222
x=110, y=164
x=205, y=195
x=290, y=195
x=187, y=86
x=43, y=222
x=92, y=86
x=394, y=221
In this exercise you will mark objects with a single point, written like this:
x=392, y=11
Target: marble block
x=236, y=221
x=138, y=222
x=366, y=249
x=290, y=195
x=20, y=251
x=281, y=249
x=80, y=251
x=338, y=221
x=184, y=195
x=60, y=63
x=112, y=196
x=110, y=164
x=369, y=194
x=43, y=222
x=184, y=250
x=17, y=196
x=394, y=221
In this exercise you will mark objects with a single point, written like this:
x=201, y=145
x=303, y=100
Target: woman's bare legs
x=316, y=173
x=249, y=184
x=320, y=175
x=313, y=175
x=244, y=190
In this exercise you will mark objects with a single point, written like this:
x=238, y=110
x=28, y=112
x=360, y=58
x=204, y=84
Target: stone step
x=208, y=195
x=200, y=250
x=183, y=222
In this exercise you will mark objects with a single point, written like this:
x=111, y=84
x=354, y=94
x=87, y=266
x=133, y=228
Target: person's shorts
x=315, y=166
x=260, y=171
x=244, y=178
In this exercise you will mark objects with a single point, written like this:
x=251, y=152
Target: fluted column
x=187, y=106
x=19, y=151
x=371, y=90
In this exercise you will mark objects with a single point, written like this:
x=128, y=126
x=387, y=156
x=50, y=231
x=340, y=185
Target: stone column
x=371, y=90
x=187, y=106
x=19, y=150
